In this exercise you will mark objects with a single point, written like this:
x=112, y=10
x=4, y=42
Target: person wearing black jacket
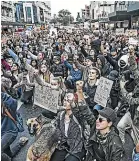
x=58, y=69
x=104, y=143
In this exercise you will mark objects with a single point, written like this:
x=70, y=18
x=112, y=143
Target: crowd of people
x=74, y=65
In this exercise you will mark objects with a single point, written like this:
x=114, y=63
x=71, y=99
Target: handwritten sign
x=46, y=98
x=131, y=33
x=103, y=91
x=133, y=41
x=120, y=31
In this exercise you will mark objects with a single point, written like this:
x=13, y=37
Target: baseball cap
x=108, y=113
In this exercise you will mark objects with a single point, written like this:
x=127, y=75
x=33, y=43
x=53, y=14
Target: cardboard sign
x=103, y=91
x=46, y=98
x=120, y=31
x=131, y=33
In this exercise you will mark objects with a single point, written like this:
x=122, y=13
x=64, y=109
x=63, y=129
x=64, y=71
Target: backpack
x=18, y=122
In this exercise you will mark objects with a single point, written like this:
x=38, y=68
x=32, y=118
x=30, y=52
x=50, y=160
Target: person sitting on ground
x=104, y=142
x=75, y=74
x=9, y=130
x=70, y=144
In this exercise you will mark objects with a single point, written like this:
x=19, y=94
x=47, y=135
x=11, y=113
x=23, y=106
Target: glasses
x=101, y=119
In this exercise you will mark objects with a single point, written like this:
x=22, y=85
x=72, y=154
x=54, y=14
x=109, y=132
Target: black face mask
x=122, y=64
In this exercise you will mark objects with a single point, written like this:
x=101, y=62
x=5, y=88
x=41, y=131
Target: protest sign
x=46, y=98
x=120, y=31
x=103, y=91
x=131, y=33
x=133, y=41
x=53, y=30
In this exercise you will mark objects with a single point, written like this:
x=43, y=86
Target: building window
x=28, y=14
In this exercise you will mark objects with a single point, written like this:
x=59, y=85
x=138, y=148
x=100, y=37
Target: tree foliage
x=78, y=18
x=65, y=17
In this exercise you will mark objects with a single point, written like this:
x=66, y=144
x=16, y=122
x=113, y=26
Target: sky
x=73, y=6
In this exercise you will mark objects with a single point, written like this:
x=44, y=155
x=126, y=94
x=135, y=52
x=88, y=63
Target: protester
x=99, y=113
x=9, y=130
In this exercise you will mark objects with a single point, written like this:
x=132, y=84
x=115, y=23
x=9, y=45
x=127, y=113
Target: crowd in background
x=74, y=64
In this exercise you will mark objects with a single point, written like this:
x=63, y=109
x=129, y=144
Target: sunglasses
x=101, y=119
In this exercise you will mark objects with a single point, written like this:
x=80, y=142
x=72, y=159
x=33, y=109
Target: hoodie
x=104, y=67
x=7, y=125
x=123, y=61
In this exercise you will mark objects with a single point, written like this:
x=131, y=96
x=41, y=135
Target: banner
x=120, y=31
x=131, y=33
x=46, y=98
x=103, y=91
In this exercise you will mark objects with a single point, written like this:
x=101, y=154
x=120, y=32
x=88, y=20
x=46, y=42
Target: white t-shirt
x=66, y=127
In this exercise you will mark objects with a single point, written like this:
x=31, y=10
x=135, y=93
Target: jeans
x=6, y=141
x=124, y=124
x=60, y=155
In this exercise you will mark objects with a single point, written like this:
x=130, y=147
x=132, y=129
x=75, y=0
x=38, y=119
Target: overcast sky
x=73, y=6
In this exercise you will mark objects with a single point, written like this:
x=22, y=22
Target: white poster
x=53, y=30
x=120, y=31
x=103, y=91
x=133, y=41
x=132, y=32
x=46, y=98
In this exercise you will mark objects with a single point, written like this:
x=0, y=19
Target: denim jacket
x=135, y=156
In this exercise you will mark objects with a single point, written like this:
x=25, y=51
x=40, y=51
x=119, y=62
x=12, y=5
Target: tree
x=64, y=17
x=78, y=18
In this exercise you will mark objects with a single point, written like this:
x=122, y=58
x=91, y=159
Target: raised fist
x=79, y=85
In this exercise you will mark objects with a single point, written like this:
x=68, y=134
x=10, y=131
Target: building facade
x=120, y=17
x=7, y=11
x=133, y=10
x=85, y=13
x=100, y=9
x=43, y=11
x=33, y=11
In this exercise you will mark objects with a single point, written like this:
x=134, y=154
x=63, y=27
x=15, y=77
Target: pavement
x=28, y=112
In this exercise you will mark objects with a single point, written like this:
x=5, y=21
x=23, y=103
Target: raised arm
x=32, y=55
x=83, y=107
x=13, y=55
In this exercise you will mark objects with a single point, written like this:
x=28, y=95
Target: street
x=29, y=112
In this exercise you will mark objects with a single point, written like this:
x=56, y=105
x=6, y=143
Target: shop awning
x=119, y=16
x=4, y=23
